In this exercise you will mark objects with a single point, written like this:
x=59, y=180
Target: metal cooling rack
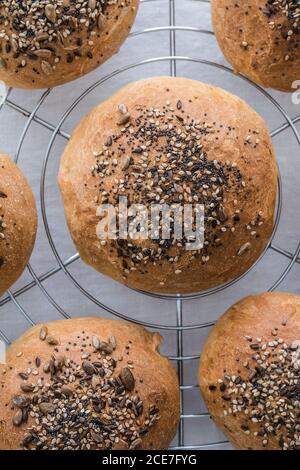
x=178, y=327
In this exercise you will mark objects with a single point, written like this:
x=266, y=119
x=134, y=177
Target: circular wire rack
x=63, y=265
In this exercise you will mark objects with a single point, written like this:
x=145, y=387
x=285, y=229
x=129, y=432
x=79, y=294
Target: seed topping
x=180, y=171
x=41, y=29
x=266, y=391
x=284, y=16
x=82, y=405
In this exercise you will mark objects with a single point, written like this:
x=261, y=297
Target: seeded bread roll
x=260, y=38
x=18, y=222
x=250, y=372
x=46, y=43
x=87, y=383
x=176, y=141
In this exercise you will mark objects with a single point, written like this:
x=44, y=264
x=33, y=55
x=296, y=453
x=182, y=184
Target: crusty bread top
x=260, y=38
x=18, y=222
x=87, y=383
x=250, y=372
x=46, y=43
x=174, y=141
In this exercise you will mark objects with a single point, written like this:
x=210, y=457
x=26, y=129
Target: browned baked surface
x=249, y=372
x=105, y=386
x=48, y=43
x=260, y=38
x=18, y=222
x=200, y=145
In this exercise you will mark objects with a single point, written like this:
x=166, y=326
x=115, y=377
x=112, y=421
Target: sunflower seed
x=136, y=443
x=126, y=163
x=109, y=141
x=20, y=401
x=35, y=400
x=123, y=108
x=106, y=347
x=47, y=408
x=113, y=342
x=27, y=439
x=37, y=362
x=65, y=390
x=127, y=379
x=23, y=376
x=71, y=48
x=244, y=249
x=101, y=22
x=96, y=342
x=95, y=381
x=42, y=36
x=95, y=436
x=18, y=418
x=59, y=362
x=27, y=388
x=61, y=38
x=52, y=368
x=92, y=4
x=50, y=12
x=88, y=367
x=43, y=53
x=25, y=415
x=178, y=188
x=97, y=364
x=124, y=119
x=46, y=67
x=52, y=341
x=222, y=214
x=43, y=333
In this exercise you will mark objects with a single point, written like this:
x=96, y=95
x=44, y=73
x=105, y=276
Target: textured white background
x=152, y=14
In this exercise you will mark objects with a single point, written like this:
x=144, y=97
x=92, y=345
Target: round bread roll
x=250, y=372
x=87, y=384
x=46, y=43
x=260, y=38
x=18, y=222
x=172, y=141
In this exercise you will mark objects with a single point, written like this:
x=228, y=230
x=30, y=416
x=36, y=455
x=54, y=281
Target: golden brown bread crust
x=254, y=317
x=18, y=222
x=155, y=379
x=82, y=51
x=232, y=132
x=255, y=48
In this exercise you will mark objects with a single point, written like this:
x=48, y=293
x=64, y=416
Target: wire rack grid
x=178, y=327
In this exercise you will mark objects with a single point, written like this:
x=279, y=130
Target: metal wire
x=63, y=264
